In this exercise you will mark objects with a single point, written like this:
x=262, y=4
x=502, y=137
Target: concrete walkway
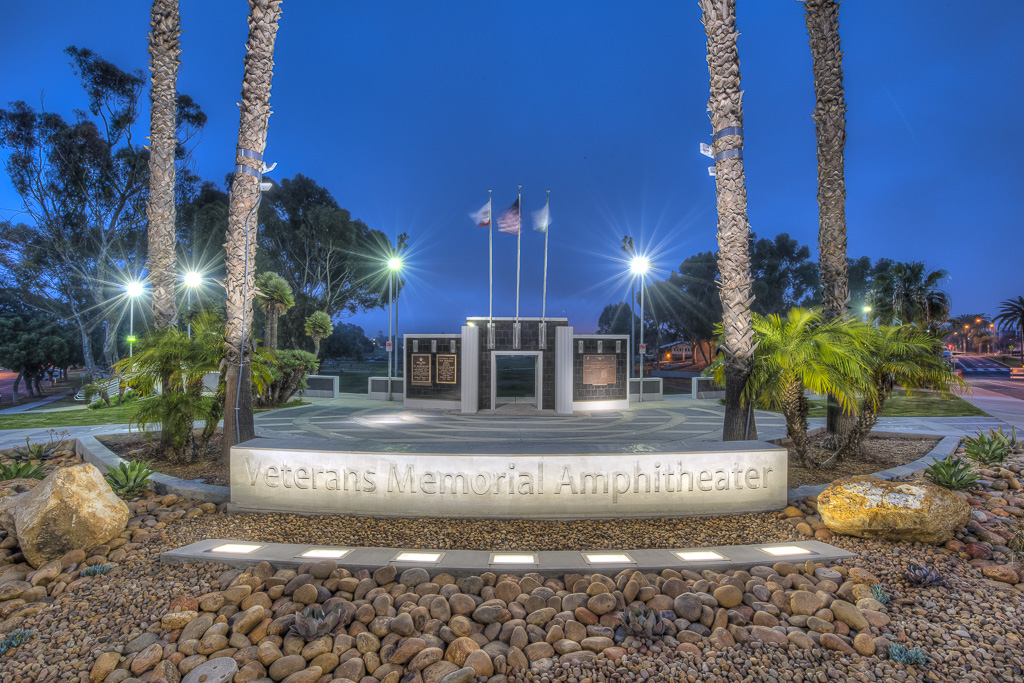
x=24, y=407
x=354, y=418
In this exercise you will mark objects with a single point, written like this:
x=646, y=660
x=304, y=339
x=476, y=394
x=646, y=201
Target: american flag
x=509, y=221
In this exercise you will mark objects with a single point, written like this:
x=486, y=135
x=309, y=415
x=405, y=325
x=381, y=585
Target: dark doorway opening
x=515, y=379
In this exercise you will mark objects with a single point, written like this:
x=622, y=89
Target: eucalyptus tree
x=239, y=284
x=725, y=106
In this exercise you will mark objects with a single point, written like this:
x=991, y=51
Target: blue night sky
x=409, y=112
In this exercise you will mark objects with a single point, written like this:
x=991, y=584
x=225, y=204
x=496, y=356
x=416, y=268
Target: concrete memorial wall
x=312, y=477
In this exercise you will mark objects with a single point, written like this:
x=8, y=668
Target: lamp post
x=867, y=309
x=192, y=280
x=134, y=291
x=639, y=266
x=394, y=265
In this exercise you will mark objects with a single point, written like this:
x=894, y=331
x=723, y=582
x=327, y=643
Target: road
x=980, y=366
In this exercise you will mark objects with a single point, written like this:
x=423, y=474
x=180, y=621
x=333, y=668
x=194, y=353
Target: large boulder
x=71, y=509
x=915, y=511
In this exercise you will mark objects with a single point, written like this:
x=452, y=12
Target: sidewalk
x=35, y=404
x=1007, y=409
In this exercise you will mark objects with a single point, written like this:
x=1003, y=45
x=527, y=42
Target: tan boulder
x=72, y=508
x=869, y=507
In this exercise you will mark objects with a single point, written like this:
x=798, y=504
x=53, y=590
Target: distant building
x=678, y=351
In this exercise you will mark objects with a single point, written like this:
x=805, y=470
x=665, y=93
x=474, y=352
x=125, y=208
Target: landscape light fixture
x=236, y=548
x=608, y=558
x=784, y=550
x=417, y=557
x=511, y=558
x=325, y=553
x=699, y=555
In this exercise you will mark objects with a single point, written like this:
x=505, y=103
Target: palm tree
x=800, y=352
x=318, y=326
x=1011, y=315
x=726, y=111
x=909, y=294
x=241, y=234
x=275, y=296
x=969, y=326
x=164, y=48
x=822, y=20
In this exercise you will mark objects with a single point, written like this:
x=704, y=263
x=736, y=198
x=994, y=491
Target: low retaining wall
x=95, y=453
x=308, y=476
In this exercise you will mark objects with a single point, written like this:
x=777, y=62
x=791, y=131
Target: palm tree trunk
x=241, y=236
x=316, y=346
x=822, y=20
x=164, y=48
x=726, y=110
x=271, y=327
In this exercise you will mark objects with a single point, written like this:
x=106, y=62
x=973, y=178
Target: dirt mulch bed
x=147, y=447
x=876, y=454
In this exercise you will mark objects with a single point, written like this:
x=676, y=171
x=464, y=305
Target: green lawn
x=1008, y=360
x=918, y=404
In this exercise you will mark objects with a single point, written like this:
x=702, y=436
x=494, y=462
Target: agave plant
x=40, y=451
x=22, y=470
x=988, y=449
x=640, y=622
x=905, y=655
x=129, y=479
x=952, y=473
x=314, y=622
x=923, y=576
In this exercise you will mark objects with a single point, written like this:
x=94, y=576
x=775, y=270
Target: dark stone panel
x=439, y=392
x=529, y=341
x=587, y=392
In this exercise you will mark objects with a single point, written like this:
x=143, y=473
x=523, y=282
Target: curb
x=95, y=453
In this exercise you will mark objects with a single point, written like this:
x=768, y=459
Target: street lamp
x=639, y=265
x=394, y=266
x=192, y=280
x=867, y=309
x=134, y=291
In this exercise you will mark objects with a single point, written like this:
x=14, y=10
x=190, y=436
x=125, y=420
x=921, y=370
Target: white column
x=470, y=356
x=563, y=370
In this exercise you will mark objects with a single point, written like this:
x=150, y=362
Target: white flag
x=542, y=219
x=483, y=216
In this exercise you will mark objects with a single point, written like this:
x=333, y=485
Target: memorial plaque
x=599, y=369
x=419, y=375
x=446, y=368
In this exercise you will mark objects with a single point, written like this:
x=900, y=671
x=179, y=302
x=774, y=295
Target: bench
x=1016, y=373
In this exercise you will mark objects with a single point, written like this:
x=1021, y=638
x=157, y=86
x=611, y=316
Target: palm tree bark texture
x=164, y=51
x=241, y=234
x=725, y=108
x=822, y=20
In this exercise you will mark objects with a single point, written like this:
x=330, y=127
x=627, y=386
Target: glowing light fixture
x=639, y=265
x=394, y=263
x=418, y=557
x=326, y=553
x=608, y=558
x=699, y=555
x=193, y=279
x=133, y=289
x=236, y=548
x=511, y=558
x=783, y=550
x=131, y=339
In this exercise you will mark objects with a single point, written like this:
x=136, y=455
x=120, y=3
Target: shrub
x=952, y=473
x=129, y=479
x=97, y=404
x=22, y=470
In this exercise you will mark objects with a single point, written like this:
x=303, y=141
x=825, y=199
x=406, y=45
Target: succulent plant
x=641, y=622
x=315, y=622
x=22, y=470
x=879, y=594
x=905, y=655
x=986, y=450
x=952, y=473
x=39, y=451
x=14, y=639
x=924, y=576
x=129, y=479
x=96, y=570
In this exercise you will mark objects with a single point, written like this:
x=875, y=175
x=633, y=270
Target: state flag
x=483, y=216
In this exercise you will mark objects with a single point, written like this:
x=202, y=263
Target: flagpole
x=519, y=240
x=490, y=259
x=547, y=228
